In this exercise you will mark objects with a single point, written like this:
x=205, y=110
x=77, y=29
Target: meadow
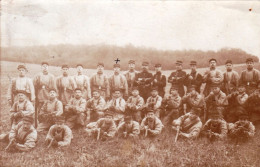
x=162, y=151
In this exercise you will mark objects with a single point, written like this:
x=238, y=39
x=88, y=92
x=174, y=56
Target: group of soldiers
x=214, y=104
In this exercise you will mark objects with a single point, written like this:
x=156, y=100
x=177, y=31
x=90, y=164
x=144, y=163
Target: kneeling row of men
x=23, y=136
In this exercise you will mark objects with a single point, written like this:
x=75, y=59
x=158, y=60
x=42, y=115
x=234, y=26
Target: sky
x=164, y=25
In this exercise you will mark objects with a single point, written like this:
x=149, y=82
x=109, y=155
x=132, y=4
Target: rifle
x=177, y=134
x=98, y=135
x=11, y=144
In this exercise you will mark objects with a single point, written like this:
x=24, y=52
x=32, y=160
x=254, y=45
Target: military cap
x=59, y=119
x=131, y=62
x=154, y=88
x=178, y=62
x=195, y=110
x=158, y=65
x=79, y=65
x=116, y=65
x=52, y=89
x=193, y=62
x=249, y=60
x=127, y=118
x=28, y=118
x=212, y=59
x=145, y=63
x=135, y=88
x=100, y=64
x=149, y=110
x=44, y=62
x=108, y=113
x=21, y=66
x=78, y=89
x=65, y=66
x=229, y=62
x=21, y=91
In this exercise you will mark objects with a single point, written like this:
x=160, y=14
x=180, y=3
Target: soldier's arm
x=218, y=78
x=122, y=106
x=251, y=131
x=177, y=102
x=195, y=131
x=136, y=129
x=158, y=103
x=102, y=104
x=30, y=142
x=13, y=132
x=140, y=103
x=67, y=137
x=82, y=107
x=50, y=133
x=142, y=126
x=112, y=130
x=158, y=128
x=29, y=109
x=59, y=111
x=182, y=78
x=222, y=100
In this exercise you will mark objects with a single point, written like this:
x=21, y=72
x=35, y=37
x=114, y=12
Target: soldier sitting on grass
x=154, y=102
x=50, y=109
x=59, y=134
x=151, y=125
x=22, y=136
x=215, y=128
x=189, y=125
x=103, y=129
x=21, y=108
x=241, y=130
x=128, y=129
x=75, y=110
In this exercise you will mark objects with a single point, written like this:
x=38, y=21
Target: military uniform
x=21, y=109
x=187, y=126
x=241, y=130
x=159, y=80
x=75, y=112
x=154, y=103
x=117, y=107
x=48, y=112
x=134, y=106
x=143, y=81
x=195, y=100
x=82, y=82
x=177, y=78
x=130, y=77
x=155, y=126
x=130, y=132
x=21, y=83
x=230, y=81
x=171, y=105
x=95, y=108
x=194, y=78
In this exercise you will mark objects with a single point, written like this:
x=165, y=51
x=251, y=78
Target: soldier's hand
x=211, y=93
x=190, y=77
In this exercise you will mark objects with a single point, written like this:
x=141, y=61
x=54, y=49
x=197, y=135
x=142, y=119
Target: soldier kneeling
x=188, y=125
x=151, y=125
x=241, y=130
x=128, y=129
x=22, y=136
x=103, y=129
x=59, y=134
x=215, y=128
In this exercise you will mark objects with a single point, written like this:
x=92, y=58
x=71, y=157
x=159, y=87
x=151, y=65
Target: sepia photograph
x=135, y=83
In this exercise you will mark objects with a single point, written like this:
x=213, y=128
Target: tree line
x=89, y=55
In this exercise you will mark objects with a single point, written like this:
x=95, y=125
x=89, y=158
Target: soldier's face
x=131, y=66
x=100, y=68
x=26, y=125
x=65, y=71
x=229, y=66
x=45, y=67
x=108, y=119
x=212, y=63
x=192, y=116
x=135, y=92
x=145, y=68
x=52, y=94
x=21, y=97
x=192, y=91
x=78, y=94
x=22, y=72
x=117, y=94
x=174, y=92
x=216, y=90
x=157, y=69
x=154, y=93
x=250, y=65
x=96, y=95
x=193, y=67
x=150, y=115
x=241, y=89
x=117, y=70
x=178, y=67
x=79, y=69
x=128, y=124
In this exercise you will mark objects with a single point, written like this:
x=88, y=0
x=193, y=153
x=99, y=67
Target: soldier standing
x=177, y=78
x=75, y=110
x=143, y=81
x=21, y=83
x=118, y=81
x=128, y=129
x=231, y=79
x=21, y=108
x=250, y=77
x=130, y=76
x=50, y=109
x=65, y=85
x=212, y=76
x=82, y=82
x=194, y=78
x=100, y=82
x=159, y=80
x=43, y=82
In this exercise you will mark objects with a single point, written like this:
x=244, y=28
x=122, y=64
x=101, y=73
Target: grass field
x=85, y=151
